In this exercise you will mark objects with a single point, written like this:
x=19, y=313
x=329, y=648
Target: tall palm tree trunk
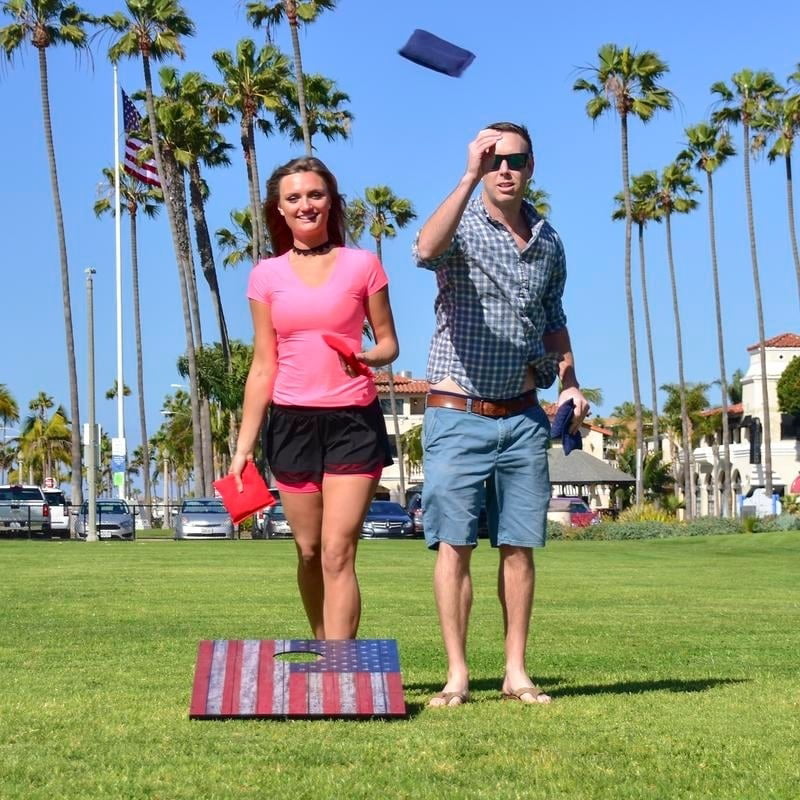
x=137, y=322
x=257, y=245
x=688, y=475
x=182, y=220
x=649, y=336
x=395, y=420
x=723, y=381
x=180, y=257
x=291, y=16
x=259, y=218
x=792, y=229
x=206, y=252
x=637, y=399
x=751, y=230
x=76, y=477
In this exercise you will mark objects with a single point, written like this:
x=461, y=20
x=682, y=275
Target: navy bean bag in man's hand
x=559, y=429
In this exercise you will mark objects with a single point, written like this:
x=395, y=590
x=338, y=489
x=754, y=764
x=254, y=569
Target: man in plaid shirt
x=500, y=334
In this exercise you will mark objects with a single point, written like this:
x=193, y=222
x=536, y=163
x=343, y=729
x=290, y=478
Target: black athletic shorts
x=306, y=442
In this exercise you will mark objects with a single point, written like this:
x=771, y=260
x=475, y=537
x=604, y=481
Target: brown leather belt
x=486, y=408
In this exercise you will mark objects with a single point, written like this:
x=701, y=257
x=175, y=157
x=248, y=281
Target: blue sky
x=410, y=131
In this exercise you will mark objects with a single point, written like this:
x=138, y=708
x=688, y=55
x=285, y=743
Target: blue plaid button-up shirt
x=495, y=303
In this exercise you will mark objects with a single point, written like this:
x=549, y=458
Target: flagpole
x=118, y=447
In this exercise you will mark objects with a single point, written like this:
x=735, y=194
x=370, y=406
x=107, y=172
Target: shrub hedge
x=703, y=526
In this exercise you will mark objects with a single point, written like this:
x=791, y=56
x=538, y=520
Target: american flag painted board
x=251, y=679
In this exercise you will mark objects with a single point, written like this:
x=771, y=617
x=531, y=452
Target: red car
x=572, y=511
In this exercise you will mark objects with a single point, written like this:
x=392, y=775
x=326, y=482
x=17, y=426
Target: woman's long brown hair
x=280, y=236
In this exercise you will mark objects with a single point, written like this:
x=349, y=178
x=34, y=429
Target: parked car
x=260, y=520
x=386, y=520
x=572, y=512
x=24, y=509
x=275, y=525
x=414, y=510
x=59, y=512
x=114, y=520
x=203, y=518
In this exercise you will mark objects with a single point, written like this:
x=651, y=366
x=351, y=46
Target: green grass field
x=673, y=665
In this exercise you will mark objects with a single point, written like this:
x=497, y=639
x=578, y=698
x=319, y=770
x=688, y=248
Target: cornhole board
x=258, y=679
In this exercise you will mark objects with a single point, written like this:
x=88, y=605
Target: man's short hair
x=513, y=127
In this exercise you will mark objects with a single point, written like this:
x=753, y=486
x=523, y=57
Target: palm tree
x=196, y=139
x=743, y=104
x=675, y=191
x=782, y=120
x=180, y=140
x=112, y=392
x=236, y=242
x=708, y=148
x=153, y=31
x=9, y=412
x=44, y=440
x=222, y=381
x=251, y=83
x=305, y=11
x=539, y=199
x=324, y=113
x=626, y=82
x=379, y=212
x=735, y=387
x=135, y=196
x=644, y=209
x=45, y=23
x=622, y=421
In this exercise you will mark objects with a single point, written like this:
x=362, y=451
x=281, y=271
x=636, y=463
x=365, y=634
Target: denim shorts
x=470, y=460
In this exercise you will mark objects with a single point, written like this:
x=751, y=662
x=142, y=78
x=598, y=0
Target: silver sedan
x=114, y=520
x=203, y=518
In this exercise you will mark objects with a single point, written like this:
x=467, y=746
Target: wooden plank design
x=351, y=679
x=202, y=672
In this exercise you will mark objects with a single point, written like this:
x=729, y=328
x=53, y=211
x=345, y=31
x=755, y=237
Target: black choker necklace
x=313, y=251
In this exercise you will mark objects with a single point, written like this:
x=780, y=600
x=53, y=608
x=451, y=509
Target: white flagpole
x=119, y=449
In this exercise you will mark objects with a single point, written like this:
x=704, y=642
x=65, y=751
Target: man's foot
x=447, y=699
x=530, y=695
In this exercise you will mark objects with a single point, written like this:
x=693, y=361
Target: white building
x=785, y=433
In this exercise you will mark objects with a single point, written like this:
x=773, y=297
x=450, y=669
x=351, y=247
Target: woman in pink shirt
x=326, y=437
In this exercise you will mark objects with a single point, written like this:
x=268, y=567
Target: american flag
x=145, y=171
x=351, y=678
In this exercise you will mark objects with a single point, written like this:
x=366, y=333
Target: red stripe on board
x=395, y=702
x=298, y=693
x=233, y=670
x=266, y=663
x=363, y=693
x=202, y=671
x=330, y=693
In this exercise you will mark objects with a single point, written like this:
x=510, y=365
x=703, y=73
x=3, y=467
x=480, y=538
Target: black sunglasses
x=515, y=161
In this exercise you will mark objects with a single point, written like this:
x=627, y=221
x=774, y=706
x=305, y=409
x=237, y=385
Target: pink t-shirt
x=309, y=371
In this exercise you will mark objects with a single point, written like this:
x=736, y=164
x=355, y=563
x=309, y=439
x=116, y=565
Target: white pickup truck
x=23, y=509
x=59, y=512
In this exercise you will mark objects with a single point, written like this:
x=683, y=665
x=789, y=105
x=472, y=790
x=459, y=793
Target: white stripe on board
x=216, y=680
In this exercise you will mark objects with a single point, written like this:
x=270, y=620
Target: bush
x=709, y=526
x=645, y=513
x=626, y=528
x=784, y=522
x=749, y=524
x=555, y=530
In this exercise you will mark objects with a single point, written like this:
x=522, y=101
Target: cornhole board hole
x=297, y=679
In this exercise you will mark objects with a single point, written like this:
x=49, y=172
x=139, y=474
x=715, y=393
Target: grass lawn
x=673, y=664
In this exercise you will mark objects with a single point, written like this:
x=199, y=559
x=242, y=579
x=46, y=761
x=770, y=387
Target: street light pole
x=119, y=455
x=91, y=443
